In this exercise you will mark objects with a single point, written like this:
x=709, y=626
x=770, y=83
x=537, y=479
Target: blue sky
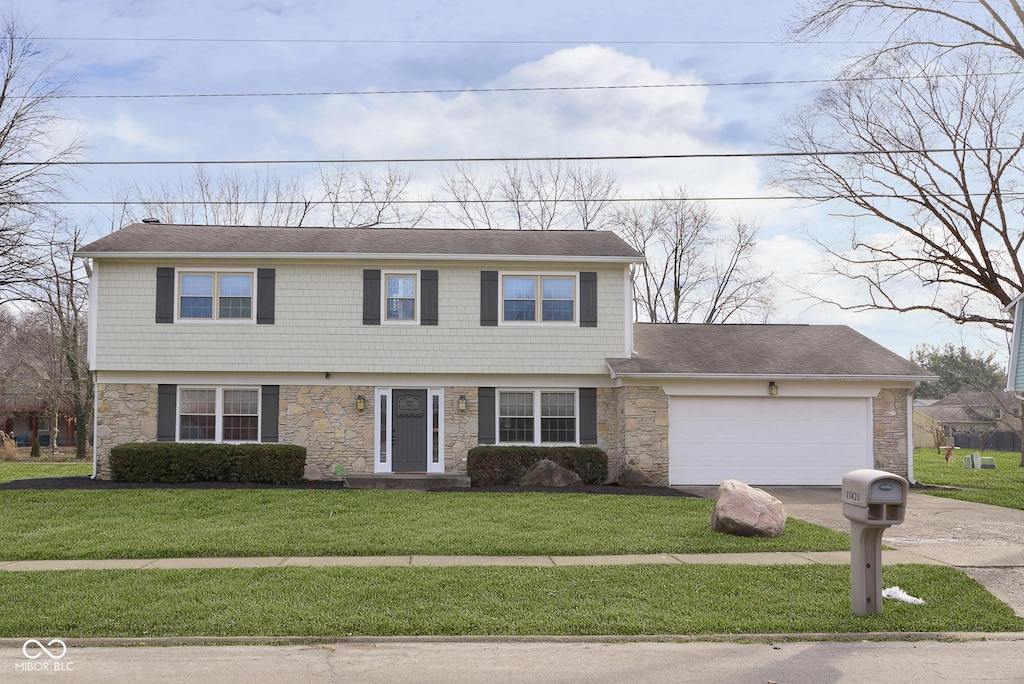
x=261, y=47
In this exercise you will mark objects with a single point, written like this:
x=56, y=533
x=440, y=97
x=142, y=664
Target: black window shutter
x=485, y=419
x=165, y=295
x=588, y=415
x=264, y=295
x=488, y=298
x=269, y=396
x=588, y=299
x=166, y=411
x=371, y=297
x=428, y=304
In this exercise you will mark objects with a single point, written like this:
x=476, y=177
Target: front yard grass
x=1003, y=486
x=627, y=600
x=163, y=523
x=24, y=470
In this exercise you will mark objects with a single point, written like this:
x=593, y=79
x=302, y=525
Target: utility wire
x=473, y=160
x=534, y=89
x=388, y=41
x=609, y=200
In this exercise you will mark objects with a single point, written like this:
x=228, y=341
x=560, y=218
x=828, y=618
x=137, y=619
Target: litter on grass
x=900, y=595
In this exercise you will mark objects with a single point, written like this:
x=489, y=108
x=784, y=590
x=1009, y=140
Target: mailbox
x=874, y=497
x=873, y=500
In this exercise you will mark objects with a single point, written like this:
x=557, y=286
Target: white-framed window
x=539, y=298
x=218, y=414
x=401, y=297
x=538, y=417
x=215, y=295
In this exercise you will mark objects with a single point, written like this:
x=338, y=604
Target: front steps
x=416, y=481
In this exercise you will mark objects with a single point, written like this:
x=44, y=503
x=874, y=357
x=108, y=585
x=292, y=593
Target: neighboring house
x=26, y=413
x=394, y=351
x=928, y=432
x=1015, y=371
x=972, y=419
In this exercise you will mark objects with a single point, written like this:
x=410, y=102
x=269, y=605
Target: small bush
x=173, y=462
x=499, y=465
x=36, y=450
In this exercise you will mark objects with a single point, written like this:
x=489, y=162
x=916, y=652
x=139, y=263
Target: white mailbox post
x=873, y=500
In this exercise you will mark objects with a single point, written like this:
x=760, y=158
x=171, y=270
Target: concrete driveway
x=986, y=542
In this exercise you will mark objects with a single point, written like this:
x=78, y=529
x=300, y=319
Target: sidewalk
x=781, y=558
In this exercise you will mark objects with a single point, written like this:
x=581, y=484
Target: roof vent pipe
x=151, y=220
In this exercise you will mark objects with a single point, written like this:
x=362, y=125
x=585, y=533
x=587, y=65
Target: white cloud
x=133, y=135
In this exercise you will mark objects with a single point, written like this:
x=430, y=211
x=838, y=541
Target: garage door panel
x=767, y=440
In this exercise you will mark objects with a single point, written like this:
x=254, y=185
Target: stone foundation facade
x=890, y=431
x=124, y=413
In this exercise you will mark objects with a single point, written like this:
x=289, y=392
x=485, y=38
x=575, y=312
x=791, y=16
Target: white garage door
x=768, y=440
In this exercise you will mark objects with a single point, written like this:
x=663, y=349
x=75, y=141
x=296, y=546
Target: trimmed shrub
x=499, y=465
x=174, y=462
x=36, y=451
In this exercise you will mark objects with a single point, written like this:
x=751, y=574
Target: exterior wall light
x=773, y=389
x=360, y=403
x=462, y=402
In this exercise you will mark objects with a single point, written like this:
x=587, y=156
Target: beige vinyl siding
x=318, y=326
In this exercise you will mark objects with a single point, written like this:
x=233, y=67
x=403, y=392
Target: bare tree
x=940, y=26
x=936, y=178
x=530, y=196
x=695, y=269
x=33, y=154
x=232, y=198
x=365, y=200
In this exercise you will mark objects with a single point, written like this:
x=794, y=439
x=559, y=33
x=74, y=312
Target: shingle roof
x=698, y=350
x=156, y=239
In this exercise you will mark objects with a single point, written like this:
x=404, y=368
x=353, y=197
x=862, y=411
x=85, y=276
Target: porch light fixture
x=462, y=402
x=360, y=403
x=773, y=389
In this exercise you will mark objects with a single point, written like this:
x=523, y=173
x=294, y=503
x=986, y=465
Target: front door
x=409, y=425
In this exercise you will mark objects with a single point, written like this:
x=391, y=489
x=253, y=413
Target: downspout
x=95, y=424
x=910, y=436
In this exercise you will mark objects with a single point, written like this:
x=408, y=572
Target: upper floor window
x=215, y=296
x=400, y=294
x=538, y=298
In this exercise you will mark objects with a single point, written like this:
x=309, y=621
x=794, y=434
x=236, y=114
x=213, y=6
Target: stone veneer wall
x=324, y=419
x=608, y=429
x=890, y=431
x=124, y=413
x=461, y=428
x=643, y=431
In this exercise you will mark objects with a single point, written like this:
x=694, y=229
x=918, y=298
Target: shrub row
x=173, y=462
x=498, y=465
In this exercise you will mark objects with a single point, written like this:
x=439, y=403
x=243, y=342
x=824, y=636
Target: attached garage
x=768, y=440
x=763, y=404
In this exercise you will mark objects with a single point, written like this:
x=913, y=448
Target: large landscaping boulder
x=744, y=511
x=549, y=474
x=631, y=476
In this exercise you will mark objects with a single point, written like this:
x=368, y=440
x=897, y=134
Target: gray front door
x=409, y=423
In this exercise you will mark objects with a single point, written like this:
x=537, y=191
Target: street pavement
x=424, y=661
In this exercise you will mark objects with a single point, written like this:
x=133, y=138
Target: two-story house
x=396, y=351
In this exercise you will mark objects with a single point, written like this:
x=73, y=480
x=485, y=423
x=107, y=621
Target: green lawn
x=640, y=599
x=23, y=470
x=1003, y=486
x=155, y=523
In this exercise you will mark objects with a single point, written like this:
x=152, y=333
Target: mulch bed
x=85, y=482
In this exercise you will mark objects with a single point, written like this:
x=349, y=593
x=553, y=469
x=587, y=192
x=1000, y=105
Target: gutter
x=349, y=256
x=772, y=376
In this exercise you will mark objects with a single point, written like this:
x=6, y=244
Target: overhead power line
x=389, y=41
x=609, y=200
x=524, y=89
x=474, y=160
